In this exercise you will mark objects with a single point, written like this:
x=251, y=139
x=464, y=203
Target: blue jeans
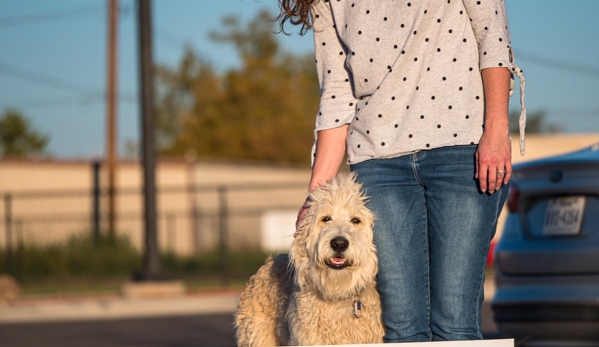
x=432, y=231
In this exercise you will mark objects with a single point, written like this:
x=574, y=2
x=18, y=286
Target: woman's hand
x=493, y=161
x=300, y=215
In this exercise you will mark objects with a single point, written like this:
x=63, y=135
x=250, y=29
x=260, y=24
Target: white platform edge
x=478, y=343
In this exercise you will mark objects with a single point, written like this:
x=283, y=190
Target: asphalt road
x=180, y=331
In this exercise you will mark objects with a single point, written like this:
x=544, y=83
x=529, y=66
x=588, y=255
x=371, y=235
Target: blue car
x=547, y=260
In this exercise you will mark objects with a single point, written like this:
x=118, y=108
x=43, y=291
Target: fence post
x=19, y=253
x=96, y=202
x=222, y=228
x=170, y=233
x=8, y=230
x=193, y=213
x=190, y=157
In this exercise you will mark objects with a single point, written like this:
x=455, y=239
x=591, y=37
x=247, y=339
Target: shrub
x=78, y=256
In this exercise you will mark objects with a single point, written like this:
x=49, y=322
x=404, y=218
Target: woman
x=415, y=92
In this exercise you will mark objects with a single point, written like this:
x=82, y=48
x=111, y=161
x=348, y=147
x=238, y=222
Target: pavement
x=107, y=307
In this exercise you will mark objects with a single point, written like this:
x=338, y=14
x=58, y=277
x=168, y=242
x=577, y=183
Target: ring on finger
x=500, y=172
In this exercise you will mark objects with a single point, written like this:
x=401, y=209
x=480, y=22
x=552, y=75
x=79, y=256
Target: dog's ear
x=351, y=180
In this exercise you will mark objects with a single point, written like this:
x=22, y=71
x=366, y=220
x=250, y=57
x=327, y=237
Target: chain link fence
x=215, y=229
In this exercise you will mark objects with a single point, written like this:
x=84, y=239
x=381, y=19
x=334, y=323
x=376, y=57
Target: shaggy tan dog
x=323, y=292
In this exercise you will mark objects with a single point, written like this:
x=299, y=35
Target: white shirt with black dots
x=405, y=74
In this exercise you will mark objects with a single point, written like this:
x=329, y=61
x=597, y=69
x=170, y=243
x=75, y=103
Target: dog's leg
x=260, y=317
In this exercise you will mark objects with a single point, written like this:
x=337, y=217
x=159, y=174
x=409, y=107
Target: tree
x=17, y=138
x=536, y=123
x=263, y=110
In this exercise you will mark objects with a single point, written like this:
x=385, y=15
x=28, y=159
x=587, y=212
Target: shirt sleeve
x=489, y=23
x=337, y=101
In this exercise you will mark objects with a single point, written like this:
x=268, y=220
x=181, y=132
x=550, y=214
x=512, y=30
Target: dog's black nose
x=339, y=244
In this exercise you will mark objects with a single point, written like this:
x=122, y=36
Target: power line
x=169, y=39
x=556, y=64
x=61, y=102
x=94, y=95
x=46, y=80
x=49, y=16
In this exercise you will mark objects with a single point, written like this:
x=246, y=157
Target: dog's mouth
x=337, y=263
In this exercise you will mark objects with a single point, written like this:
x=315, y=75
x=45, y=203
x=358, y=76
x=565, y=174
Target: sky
x=53, y=61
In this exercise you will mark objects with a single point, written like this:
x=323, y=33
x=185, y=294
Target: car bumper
x=555, y=307
x=566, y=334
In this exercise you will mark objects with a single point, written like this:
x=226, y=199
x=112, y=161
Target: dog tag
x=357, y=309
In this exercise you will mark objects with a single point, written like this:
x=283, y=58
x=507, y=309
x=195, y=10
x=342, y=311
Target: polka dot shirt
x=405, y=74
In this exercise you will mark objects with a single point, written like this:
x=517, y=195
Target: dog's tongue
x=337, y=261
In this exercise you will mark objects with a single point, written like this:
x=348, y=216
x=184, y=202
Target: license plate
x=564, y=215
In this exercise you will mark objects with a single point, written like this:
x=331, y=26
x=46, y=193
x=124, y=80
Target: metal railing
x=191, y=219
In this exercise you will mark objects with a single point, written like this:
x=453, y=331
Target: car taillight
x=513, y=196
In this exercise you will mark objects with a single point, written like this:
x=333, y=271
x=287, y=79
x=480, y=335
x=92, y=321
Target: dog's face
x=334, y=253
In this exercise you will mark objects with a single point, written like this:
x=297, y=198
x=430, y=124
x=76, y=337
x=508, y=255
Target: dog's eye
x=356, y=220
x=326, y=219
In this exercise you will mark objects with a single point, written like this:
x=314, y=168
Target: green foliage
x=82, y=265
x=79, y=256
x=17, y=138
x=263, y=110
x=536, y=123
x=242, y=264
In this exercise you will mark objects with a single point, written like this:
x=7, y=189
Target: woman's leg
x=461, y=222
x=397, y=200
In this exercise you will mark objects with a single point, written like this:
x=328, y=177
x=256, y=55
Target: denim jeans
x=432, y=231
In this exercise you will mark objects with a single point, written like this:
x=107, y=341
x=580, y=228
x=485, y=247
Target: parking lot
x=198, y=319
x=188, y=330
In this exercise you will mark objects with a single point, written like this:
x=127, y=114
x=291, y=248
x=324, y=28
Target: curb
x=115, y=307
x=118, y=307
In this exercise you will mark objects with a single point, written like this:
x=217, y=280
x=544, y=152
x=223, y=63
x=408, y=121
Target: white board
x=477, y=343
x=278, y=227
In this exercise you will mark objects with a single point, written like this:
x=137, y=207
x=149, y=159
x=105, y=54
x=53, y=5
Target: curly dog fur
x=308, y=296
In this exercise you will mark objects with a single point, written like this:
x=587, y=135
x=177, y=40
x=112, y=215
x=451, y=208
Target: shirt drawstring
x=522, y=120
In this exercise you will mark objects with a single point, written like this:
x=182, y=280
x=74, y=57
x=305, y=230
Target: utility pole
x=111, y=108
x=151, y=260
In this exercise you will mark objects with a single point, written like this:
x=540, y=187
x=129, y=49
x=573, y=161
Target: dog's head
x=334, y=253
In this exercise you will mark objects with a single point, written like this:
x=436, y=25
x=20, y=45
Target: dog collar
x=357, y=308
